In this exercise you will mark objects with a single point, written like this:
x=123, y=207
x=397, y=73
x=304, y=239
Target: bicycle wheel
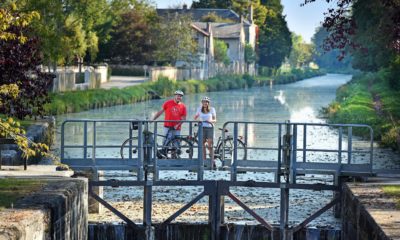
x=229, y=147
x=124, y=150
x=179, y=148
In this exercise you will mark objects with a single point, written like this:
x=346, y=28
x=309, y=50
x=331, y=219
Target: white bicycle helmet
x=207, y=99
x=178, y=92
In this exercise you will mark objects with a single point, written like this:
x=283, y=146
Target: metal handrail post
x=349, y=144
x=200, y=147
x=284, y=210
x=234, y=163
x=140, y=151
x=293, y=156
x=155, y=150
x=94, y=144
x=85, y=141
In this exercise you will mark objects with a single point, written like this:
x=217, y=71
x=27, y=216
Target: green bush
x=127, y=71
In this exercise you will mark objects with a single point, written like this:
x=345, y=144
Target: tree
x=20, y=59
x=213, y=17
x=342, y=24
x=68, y=28
x=249, y=54
x=174, y=41
x=274, y=41
x=221, y=52
x=301, y=54
x=12, y=24
x=131, y=38
x=328, y=59
x=241, y=7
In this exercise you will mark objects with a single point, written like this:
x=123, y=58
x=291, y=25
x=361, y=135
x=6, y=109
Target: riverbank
x=77, y=101
x=369, y=99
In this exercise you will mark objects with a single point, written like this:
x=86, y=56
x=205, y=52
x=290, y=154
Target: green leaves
x=221, y=52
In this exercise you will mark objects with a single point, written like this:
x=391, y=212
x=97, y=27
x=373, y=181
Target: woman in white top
x=208, y=116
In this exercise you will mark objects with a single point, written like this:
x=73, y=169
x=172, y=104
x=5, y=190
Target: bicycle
x=177, y=147
x=228, y=142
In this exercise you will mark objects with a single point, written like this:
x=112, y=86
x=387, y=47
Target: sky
x=301, y=20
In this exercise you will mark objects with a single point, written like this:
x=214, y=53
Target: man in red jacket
x=175, y=110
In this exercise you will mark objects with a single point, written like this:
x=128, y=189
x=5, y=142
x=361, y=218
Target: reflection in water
x=281, y=98
x=305, y=114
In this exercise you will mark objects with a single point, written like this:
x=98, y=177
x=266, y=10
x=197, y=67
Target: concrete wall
x=58, y=211
x=176, y=73
x=65, y=81
x=197, y=73
x=357, y=223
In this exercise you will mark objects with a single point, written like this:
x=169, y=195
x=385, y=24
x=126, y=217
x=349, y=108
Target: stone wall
x=357, y=223
x=58, y=211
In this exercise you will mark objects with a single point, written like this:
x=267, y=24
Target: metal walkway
x=285, y=149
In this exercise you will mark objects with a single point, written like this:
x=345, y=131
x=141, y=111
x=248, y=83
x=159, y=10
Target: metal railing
x=281, y=148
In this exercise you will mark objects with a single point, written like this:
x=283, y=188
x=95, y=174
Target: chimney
x=251, y=14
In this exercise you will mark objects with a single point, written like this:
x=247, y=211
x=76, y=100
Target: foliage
x=68, y=29
x=249, y=54
x=369, y=99
x=328, y=59
x=239, y=6
x=9, y=19
x=221, y=52
x=13, y=189
x=370, y=28
x=274, y=41
x=19, y=63
x=130, y=39
x=174, y=42
x=301, y=53
x=27, y=94
x=213, y=17
x=127, y=71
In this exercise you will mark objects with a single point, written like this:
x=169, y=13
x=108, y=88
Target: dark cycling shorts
x=208, y=133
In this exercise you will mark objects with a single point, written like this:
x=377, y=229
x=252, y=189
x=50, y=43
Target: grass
x=13, y=189
x=369, y=99
x=393, y=191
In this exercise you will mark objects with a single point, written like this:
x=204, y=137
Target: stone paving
x=123, y=81
x=380, y=206
x=33, y=171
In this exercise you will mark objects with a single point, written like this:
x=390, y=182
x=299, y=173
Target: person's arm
x=196, y=116
x=214, y=116
x=158, y=114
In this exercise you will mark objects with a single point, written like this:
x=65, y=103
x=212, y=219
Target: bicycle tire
x=179, y=148
x=241, y=151
x=125, y=145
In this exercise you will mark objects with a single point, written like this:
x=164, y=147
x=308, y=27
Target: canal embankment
x=369, y=213
x=57, y=211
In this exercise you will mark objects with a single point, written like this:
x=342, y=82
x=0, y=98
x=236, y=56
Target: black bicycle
x=224, y=148
x=175, y=147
